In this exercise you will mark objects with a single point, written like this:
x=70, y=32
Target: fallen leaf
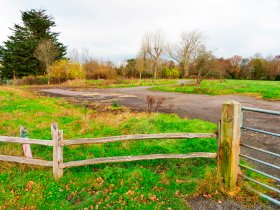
x=179, y=181
x=100, y=181
x=154, y=198
x=67, y=187
x=129, y=192
x=207, y=196
x=29, y=185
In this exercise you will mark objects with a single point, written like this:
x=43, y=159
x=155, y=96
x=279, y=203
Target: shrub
x=58, y=71
x=99, y=70
x=75, y=71
x=170, y=73
x=63, y=70
x=32, y=80
x=277, y=78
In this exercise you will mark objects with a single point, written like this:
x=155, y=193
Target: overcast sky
x=112, y=29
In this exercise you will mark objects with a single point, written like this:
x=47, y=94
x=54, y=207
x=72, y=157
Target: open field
x=116, y=83
x=157, y=184
x=144, y=184
x=259, y=89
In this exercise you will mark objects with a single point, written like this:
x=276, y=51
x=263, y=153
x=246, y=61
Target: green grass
x=117, y=83
x=156, y=184
x=260, y=89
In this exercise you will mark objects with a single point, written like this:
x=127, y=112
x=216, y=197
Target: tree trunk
x=155, y=71
x=186, y=69
x=199, y=79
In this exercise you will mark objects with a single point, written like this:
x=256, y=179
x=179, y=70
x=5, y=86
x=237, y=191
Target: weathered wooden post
x=25, y=147
x=229, y=147
x=57, y=137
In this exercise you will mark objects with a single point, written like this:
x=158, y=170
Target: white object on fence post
x=57, y=137
x=25, y=147
x=229, y=148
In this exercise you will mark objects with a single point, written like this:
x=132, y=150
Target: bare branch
x=153, y=45
x=46, y=52
x=185, y=51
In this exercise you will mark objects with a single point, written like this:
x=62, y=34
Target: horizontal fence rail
x=260, y=161
x=138, y=137
x=260, y=172
x=261, y=110
x=261, y=150
x=24, y=160
x=135, y=158
x=58, y=143
x=261, y=131
x=20, y=140
x=260, y=183
x=266, y=197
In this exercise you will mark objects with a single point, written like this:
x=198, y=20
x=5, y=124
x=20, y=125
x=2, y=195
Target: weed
x=115, y=104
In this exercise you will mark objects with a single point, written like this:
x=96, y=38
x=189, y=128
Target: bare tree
x=204, y=63
x=79, y=56
x=153, y=45
x=185, y=50
x=141, y=61
x=46, y=52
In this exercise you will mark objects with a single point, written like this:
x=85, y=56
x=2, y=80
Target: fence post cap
x=232, y=102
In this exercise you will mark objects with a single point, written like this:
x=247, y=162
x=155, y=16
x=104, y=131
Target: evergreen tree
x=17, y=53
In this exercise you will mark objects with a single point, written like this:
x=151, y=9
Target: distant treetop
x=17, y=53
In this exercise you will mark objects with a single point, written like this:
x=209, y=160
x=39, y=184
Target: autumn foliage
x=63, y=70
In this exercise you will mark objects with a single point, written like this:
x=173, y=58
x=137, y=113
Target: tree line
x=33, y=50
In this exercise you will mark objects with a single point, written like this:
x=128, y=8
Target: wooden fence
x=227, y=154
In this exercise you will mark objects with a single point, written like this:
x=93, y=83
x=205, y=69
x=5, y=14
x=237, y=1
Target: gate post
x=57, y=137
x=229, y=145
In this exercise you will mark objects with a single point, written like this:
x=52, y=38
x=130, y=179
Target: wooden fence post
x=57, y=137
x=25, y=147
x=229, y=147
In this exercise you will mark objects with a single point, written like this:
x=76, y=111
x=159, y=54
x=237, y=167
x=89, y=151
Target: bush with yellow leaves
x=63, y=70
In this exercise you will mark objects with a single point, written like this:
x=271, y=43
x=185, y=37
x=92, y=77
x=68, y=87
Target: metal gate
x=254, y=159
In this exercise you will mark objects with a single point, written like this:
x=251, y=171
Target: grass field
x=143, y=184
x=117, y=83
x=260, y=89
x=157, y=184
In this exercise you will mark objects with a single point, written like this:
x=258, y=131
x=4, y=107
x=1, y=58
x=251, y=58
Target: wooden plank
x=135, y=158
x=25, y=147
x=138, y=137
x=20, y=140
x=57, y=137
x=230, y=143
x=26, y=160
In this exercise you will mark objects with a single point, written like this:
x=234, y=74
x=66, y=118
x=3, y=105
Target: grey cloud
x=113, y=29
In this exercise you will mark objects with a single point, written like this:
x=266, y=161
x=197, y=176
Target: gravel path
x=196, y=106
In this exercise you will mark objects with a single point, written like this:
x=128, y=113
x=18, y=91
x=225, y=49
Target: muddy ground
x=195, y=106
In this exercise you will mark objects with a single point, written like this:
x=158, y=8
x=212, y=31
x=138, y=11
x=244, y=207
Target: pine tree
x=17, y=53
